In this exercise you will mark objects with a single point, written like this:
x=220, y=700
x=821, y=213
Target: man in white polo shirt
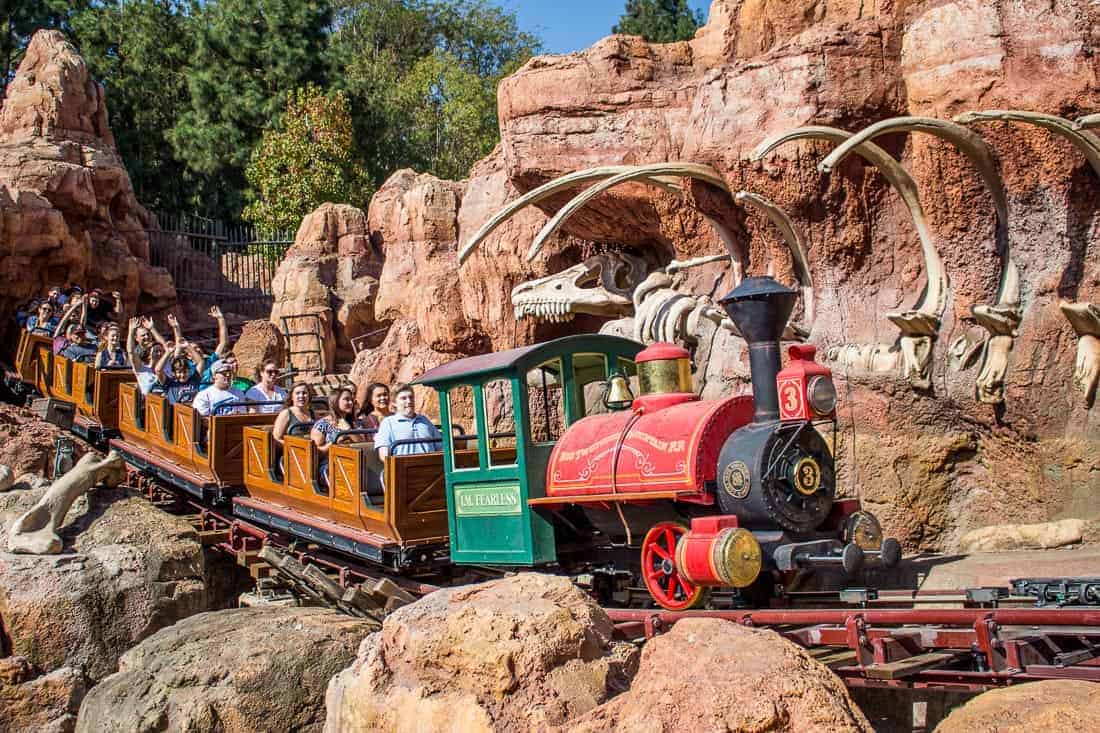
x=219, y=393
x=406, y=424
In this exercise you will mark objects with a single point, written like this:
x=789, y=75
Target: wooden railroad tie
x=371, y=600
x=913, y=665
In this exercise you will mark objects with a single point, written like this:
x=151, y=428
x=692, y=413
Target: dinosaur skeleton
x=919, y=325
x=999, y=319
x=601, y=285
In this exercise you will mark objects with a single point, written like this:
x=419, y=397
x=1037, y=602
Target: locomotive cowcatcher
x=682, y=493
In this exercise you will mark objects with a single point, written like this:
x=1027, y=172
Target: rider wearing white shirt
x=219, y=393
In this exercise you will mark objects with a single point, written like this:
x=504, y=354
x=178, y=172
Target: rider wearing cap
x=219, y=393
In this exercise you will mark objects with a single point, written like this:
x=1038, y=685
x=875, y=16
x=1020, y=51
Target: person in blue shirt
x=406, y=424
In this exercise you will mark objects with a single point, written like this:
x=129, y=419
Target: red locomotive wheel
x=664, y=582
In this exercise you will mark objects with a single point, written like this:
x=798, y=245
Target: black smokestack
x=760, y=307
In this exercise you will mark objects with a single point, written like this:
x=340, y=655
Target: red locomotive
x=733, y=492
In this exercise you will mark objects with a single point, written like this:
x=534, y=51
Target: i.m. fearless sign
x=483, y=500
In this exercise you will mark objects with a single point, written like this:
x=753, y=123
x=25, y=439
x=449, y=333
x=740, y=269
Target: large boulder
x=126, y=570
x=67, y=206
x=714, y=675
x=234, y=671
x=518, y=654
x=259, y=341
x=46, y=703
x=1035, y=706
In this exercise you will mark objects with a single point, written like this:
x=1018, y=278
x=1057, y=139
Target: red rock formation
x=67, y=208
x=1047, y=705
x=933, y=464
x=713, y=675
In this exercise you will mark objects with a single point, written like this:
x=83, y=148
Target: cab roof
x=522, y=359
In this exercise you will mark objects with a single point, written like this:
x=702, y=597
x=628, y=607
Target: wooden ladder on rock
x=313, y=346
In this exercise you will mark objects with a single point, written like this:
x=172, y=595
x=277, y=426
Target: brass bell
x=618, y=395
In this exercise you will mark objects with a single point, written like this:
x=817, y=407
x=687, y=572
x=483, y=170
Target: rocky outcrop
x=932, y=463
x=522, y=653
x=1023, y=536
x=1047, y=705
x=708, y=674
x=331, y=270
x=126, y=570
x=67, y=207
x=234, y=671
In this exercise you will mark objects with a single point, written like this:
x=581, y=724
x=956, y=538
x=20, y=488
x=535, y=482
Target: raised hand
x=117, y=296
x=172, y=320
x=215, y=312
x=134, y=322
x=147, y=321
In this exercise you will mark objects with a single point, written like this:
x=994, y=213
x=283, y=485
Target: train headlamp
x=821, y=392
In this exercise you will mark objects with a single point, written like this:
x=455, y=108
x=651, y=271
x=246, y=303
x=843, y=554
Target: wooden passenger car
x=201, y=455
x=93, y=392
x=398, y=527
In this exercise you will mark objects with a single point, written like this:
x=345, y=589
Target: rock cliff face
x=933, y=462
x=67, y=208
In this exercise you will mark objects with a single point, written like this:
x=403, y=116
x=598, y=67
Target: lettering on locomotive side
x=482, y=500
x=665, y=446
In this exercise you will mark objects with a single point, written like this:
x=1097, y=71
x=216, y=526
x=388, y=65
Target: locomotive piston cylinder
x=717, y=552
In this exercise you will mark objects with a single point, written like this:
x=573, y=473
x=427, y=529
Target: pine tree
x=659, y=21
x=138, y=50
x=249, y=55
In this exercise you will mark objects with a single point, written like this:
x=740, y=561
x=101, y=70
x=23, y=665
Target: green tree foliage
x=659, y=21
x=308, y=159
x=249, y=54
x=422, y=79
x=193, y=85
x=140, y=50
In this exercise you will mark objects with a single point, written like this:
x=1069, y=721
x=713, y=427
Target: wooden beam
x=912, y=665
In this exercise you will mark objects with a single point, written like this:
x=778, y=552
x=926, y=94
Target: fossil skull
x=599, y=286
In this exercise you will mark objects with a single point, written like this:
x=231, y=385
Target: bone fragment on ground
x=1085, y=319
x=35, y=532
x=1045, y=535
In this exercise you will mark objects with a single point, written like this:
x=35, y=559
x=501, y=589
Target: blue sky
x=571, y=25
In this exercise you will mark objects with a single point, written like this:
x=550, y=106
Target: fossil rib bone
x=934, y=300
x=795, y=243
x=641, y=173
x=1001, y=318
x=921, y=324
x=1086, y=142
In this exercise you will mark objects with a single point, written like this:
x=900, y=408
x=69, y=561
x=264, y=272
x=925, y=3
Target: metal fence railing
x=211, y=263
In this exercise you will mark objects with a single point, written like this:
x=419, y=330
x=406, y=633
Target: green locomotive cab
x=519, y=402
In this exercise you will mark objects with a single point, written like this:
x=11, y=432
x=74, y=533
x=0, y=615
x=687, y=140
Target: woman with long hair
x=297, y=410
x=377, y=407
x=111, y=353
x=341, y=416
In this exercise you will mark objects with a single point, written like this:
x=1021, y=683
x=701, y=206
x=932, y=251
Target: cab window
x=546, y=401
x=463, y=437
x=590, y=378
x=501, y=421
